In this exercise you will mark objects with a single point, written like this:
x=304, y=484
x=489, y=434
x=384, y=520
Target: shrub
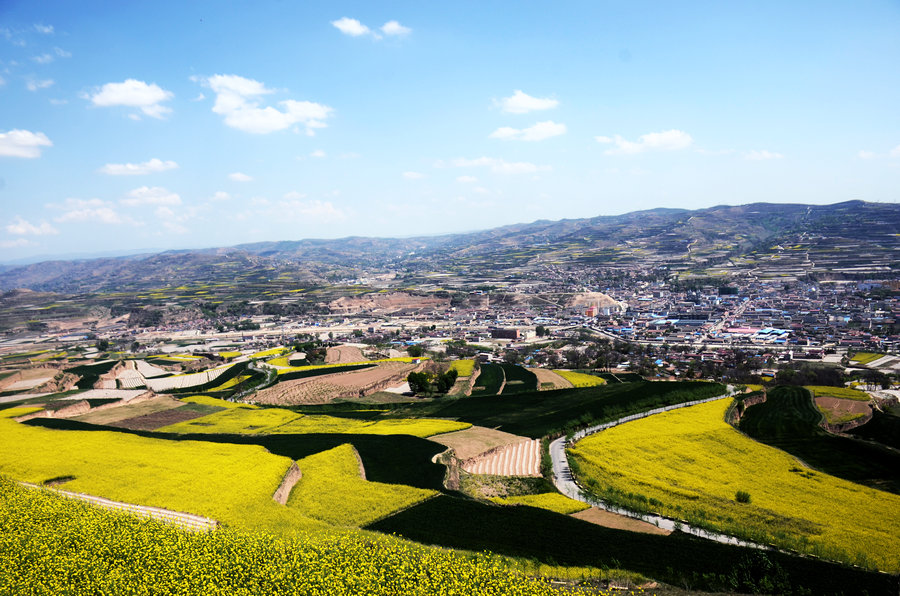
x=742, y=496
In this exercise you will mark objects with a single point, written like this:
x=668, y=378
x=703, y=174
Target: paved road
x=565, y=481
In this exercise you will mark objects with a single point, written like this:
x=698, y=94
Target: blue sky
x=126, y=125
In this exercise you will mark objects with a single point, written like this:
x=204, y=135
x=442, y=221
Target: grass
x=52, y=545
x=489, y=380
x=549, y=501
x=463, y=368
x=227, y=482
x=331, y=490
x=518, y=379
x=789, y=420
x=678, y=559
x=840, y=392
x=689, y=463
x=866, y=357
x=580, y=379
x=883, y=428
x=90, y=373
x=539, y=413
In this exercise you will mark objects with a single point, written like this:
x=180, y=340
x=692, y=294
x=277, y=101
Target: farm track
x=565, y=481
x=187, y=521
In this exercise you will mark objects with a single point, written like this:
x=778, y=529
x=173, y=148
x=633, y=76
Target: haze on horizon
x=177, y=125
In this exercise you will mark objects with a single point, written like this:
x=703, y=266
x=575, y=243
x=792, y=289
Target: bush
x=742, y=496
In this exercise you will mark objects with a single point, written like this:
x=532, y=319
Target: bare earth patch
x=344, y=355
x=843, y=409
x=476, y=440
x=159, y=419
x=607, y=519
x=111, y=415
x=327, y=388
x=548, y=377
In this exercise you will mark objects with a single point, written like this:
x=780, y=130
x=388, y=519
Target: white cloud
x=538, y=132
x=863, y=154
x=146, y=195
x=2, y=81
x=21, y=227
x=90, y=210
x=62, y=53
x=138, y=169
x=238, y=100
x=668, y=140
x=317, y=153
x=895, y=152
x=467, y=179
x=413, y=175
x=43, y=58
x=239, y=177
x=34, y=85
x=500, y=166
x=134, y=94
x=43, y=29
x=294, y=195
x=762, y=155
x=322, y=211
x=395, y=28
x=351, y=27
x=220, y=195
x=17, y=243
x=23, y=143
x=522, y=103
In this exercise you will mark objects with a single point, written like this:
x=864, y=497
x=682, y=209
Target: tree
x=418, y=382
x=415, y=351
x=541, y=331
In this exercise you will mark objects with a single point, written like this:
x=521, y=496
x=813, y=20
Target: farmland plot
x=519, y=459
x=326, y=388
x=176, y=382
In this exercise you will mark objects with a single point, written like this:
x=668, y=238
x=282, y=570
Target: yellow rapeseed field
x=242, y=420
x=839, y=392
x=463, y=368
x=404, y=359
x=580, y=379
x=331, y=490
x=230, y=483
x=689, y=464
x=50, y=545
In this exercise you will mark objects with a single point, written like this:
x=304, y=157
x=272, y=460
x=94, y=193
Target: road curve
x=565, y=481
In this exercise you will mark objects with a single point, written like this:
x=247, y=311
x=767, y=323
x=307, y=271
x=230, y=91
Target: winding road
x=565, y=481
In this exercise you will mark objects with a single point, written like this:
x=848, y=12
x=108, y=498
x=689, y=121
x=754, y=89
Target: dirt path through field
x=291, y=478
x=548, y=377
x=188, y=521
x=607, y=519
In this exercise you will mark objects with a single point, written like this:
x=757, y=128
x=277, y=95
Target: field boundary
x=187, y=521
